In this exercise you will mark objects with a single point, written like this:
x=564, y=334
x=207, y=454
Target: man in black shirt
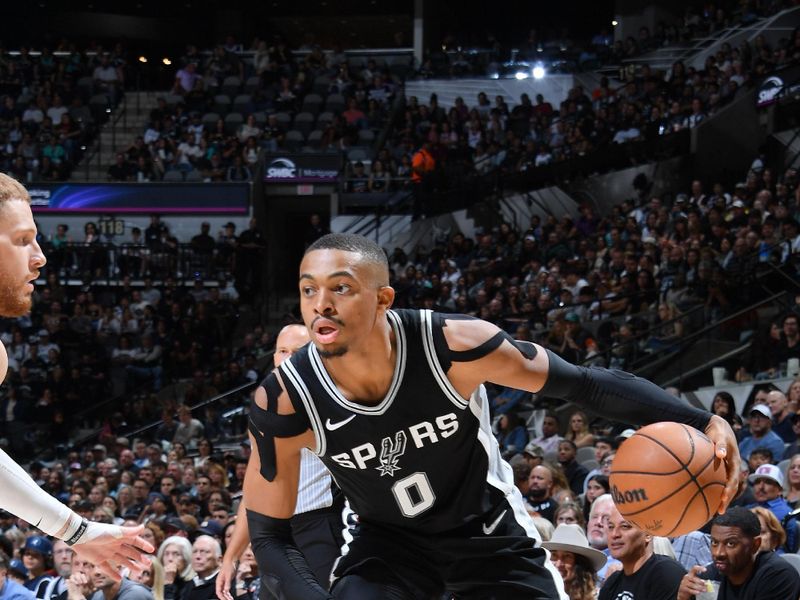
x=540, y=490
x=742, y=571
x=644, y=575
x=573, y=470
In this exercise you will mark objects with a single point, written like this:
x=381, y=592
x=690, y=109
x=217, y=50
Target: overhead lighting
x=166, y=61
x=538, y=72
x=520, y=75
x=142, y=59
x=614, y=23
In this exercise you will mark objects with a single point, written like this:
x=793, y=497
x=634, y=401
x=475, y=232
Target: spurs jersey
x=423, y=457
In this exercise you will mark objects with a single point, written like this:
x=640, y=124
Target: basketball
x=666, y=480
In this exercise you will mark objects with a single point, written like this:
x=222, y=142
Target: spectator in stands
x=782, y=418
x=540, y=489
x=189, y=430
x=575, y=560
x=549, y=440
x=186, y=79
x=512, y=434
x=773, y=536
x=761, y=434
x=767, y=482
x=596, y=531
x=358, y=182
x=573, y=470
x=643, y=573
x=120, y=170
x=578, y=430
x=743, y=572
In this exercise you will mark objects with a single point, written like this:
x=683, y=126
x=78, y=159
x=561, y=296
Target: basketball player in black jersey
x=393, y=404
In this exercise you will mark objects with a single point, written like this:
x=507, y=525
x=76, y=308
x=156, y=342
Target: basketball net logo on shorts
x=391, y=452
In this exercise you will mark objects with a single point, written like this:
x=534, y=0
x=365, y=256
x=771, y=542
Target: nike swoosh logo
x=334, y=426
x=489, y=529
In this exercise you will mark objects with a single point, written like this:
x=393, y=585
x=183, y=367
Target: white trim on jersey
x=500, y=475
x=433, y=361
x=314, y=491
x=287, y=368
x=397, y=379
x=347, y=536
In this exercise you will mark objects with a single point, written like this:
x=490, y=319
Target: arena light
x=614, y=23
x=538, y=72
x=166, y=61
x=520, y=75
x=142, y=59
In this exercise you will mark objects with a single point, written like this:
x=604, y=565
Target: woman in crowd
x=773, y=537
x=793, y=395
x=219, y=476
x=669, y=328
x=724, y=406
x=595, y=487
x=577, y=562
x=578, y=430
x=152, y=578
x=124, y=498
x=511, y=435
x=569, y=513
x=175, y=554
x=792, y=493
x=205, y=448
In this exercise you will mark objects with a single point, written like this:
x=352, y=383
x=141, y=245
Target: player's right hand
x=726, y=449
x=691, y=584
x=111, y=546
x=227, y=573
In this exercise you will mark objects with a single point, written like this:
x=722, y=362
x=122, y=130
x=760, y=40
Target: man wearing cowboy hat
x=577, y=562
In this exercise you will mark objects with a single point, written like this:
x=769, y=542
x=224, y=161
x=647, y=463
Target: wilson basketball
x=666, y=480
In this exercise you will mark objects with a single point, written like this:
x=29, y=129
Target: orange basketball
x=666, y=480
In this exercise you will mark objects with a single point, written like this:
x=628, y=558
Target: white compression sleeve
x=20, y=496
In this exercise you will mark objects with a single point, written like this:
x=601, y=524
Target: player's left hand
x=727, y=450
x=110, y=547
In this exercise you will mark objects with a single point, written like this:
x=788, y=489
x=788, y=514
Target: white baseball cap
x=767, y=472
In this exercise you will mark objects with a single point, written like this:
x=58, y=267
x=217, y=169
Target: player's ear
x=385, y=297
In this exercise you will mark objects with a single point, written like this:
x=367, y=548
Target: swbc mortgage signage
x=775, y=87
x=302, y=168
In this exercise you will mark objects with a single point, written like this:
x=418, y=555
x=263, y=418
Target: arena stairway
x=116, y=135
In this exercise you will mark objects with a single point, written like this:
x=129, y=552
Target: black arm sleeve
x=618, y=395
x=277, y=555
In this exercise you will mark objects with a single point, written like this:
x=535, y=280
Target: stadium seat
x=322, y=84
x=232, y=122
x=260, y=117
x=172, y=100
x=86, y=87
x=335, y=103
x=294, y=140
x=792, y=559
x=222, y=103
x=315, y=138
x=284, y=119
x=356, y=154
x=210, y=120
x=252, y=84
x=366, y=137
x=304, y=122
x=312, y=103
x=324, y=119
x=173, y=176
x=231, y=85
x=586, y=453
x=98, y=105
x=194, y=176
x=243, y=103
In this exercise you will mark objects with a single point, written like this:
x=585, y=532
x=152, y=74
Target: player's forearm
x=20, y=496
x=618, y=395
x=276, y=553
x=241, y=535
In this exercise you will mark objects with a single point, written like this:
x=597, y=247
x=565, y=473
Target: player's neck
x=365, y=372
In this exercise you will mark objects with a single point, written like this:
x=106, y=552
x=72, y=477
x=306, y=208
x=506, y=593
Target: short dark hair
x=763, y=451
x=738, y=516
x=350, y=242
